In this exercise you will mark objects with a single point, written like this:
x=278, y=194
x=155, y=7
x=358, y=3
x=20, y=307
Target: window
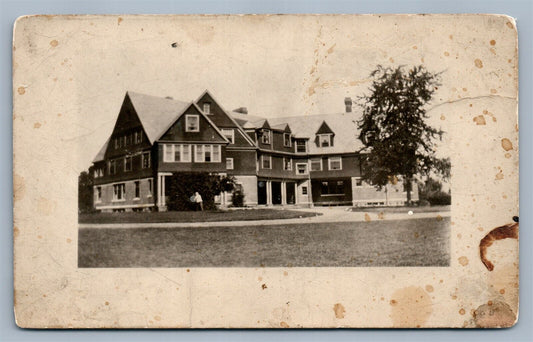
x=137, y=189
x=229, y=163
x=207, y=108
x=127, y=164
x=177, y=153
x=99, y=194
x=149, y=188
x=301, y=146
x=266, y=162
x=316, y=164
x=207, y=153
x=265, y=136
x=128, y=139
x=98, y=172
x=119, y=192
x=229, y=134
x=287, y=164
x=301, y=168
x=192, y=123
x=287, y=139
x=335, y=163
x=324, y=140
x=146, y=160
x=112, y=167
x=138, y=137
x=332, y=188
x=304, y=190
x=116, y=143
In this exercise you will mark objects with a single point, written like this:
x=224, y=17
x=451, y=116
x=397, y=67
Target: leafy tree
x=393, y=128
x=431, y=191
x=184, y=184
x=85, y=191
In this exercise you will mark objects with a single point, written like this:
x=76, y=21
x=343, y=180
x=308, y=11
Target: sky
x=275, y=66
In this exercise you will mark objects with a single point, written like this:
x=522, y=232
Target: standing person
x=199, y=201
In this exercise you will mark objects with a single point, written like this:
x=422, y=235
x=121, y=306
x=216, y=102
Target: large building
x=300, y=160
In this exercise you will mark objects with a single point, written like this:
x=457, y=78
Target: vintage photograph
x=265, y=171
x=189, y=184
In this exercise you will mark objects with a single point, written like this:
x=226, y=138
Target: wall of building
x=145, y=200
x=249, y=186
x=324, y=198
x=350, y=167
x=301, y=198
x=244, y=162
x=390, y=195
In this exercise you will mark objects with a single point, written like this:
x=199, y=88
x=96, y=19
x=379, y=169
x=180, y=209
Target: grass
x=192, y=216
x=414, y=242
x=428, y=209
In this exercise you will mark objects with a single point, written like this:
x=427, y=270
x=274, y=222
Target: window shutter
x=332, y=139
x=317, y=141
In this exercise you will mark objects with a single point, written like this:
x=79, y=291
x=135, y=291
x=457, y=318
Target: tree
x=393, y=129
x=85, y=191
x=184, y=184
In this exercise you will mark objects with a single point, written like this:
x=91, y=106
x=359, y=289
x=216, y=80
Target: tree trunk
x=408, y=189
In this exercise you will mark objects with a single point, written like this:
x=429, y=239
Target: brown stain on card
x=508, y=231
x=410, y=307
x=45, y=206
x=507, y=145
x=494, y=314
x=478, y=63
x=19, y=187
x=339, y=310
x=283, y=324
x=54, y=43
x=367, y=218
x=463, y=261
x=480, y=120
x=37, y=125
x=21, y=90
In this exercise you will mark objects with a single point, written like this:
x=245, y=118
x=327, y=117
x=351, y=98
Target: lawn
x=414, y=242
x=426, y=209
x=193, y=216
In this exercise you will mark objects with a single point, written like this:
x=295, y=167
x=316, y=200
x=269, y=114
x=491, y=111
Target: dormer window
x=192, y=123
x=324, y=140
x=229, y=133
x=287, y=139
x=207, y=108
x=301, y=146
x=265, y=136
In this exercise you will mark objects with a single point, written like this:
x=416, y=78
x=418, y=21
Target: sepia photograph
x=189, y=184
x=265, y=171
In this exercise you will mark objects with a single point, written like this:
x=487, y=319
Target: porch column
x=158, y=191
x=269, y=192
x=283, y=192
x=163, y=200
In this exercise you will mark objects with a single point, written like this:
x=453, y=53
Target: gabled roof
x=155, y=112
x=101, y=154
x=343, y=125
x=324, y=129
x=173, y=121
x=239, y=126
x=284, y=127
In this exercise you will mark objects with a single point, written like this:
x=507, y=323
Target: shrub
x=184, y=184
x=440, y=198
x=237, y=198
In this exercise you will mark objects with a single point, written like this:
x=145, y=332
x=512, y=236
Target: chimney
x=348, y=104
x=242, y=110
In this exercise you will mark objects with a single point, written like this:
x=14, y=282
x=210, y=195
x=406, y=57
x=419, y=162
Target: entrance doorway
x=276, y=192
x=261, y=192
x=291, y=192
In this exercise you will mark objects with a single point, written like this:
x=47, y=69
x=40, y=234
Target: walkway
x=329, y=214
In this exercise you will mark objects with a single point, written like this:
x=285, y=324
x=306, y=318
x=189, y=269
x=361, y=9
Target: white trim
x=285, y=164
x=208, y=111
x=311, y=163
x=127, y=181
x=230, y=132
x=146, y=205
x=262, y=162
x=320, y=141
x=187, y=116
x=232, y=165
x=290, y=143
x=306, y=168
x=329, y=163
